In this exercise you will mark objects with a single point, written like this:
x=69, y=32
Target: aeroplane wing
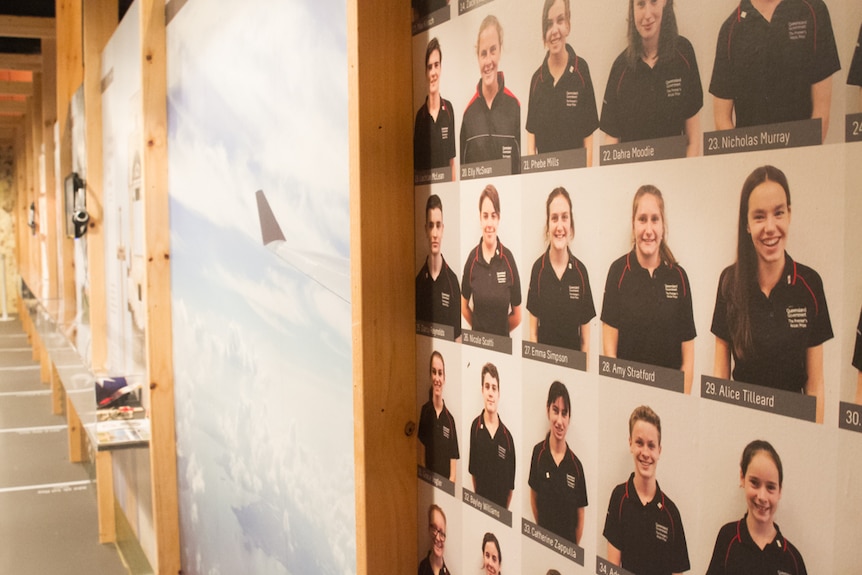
x=330, y=272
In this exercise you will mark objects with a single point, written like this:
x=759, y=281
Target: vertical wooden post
x=381, y=240
x=105, y=497
x=159, y=336
x=48, y=80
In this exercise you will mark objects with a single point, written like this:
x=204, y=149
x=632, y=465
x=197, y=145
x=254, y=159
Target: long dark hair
x=668, y=35
x=738, y=283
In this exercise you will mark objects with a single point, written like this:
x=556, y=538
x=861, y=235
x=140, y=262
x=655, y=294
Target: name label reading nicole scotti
x=636, y=372
x=561, y=545
x=490, y=341
x=788, y=403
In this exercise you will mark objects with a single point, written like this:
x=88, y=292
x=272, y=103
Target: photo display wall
x=638, y=287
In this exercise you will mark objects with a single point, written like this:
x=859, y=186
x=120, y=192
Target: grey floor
x=48, y=521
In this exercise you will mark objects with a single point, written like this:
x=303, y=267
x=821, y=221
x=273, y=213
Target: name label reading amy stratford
x=437, y=330
x=564, y=547
x=778, y=401
x=489, y=169
x=438, y=481
x=766, y=137
x=643, y=151
x=430, y=20
x=491, y=341
x=434, y=176
x=562, y=160
x=645, y=373
x=561, y=356
x=489, y=508
x=605, y=567
x=850, y=417
x=467, y=5
x=853, y=128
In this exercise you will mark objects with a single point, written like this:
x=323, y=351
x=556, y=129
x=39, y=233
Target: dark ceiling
x=41, y=8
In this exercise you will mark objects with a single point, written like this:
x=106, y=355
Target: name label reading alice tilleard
x=490, y=341
x=766, y=137
x=437, y=330
x=574, y=359
x=562, y=160
x=431, y=20
x=643, y=151
x=777, y=401
x=489, y=508
x=636, y=372
x=850, y=417
x=438, y=481
x=564, y=547
x=605, y=567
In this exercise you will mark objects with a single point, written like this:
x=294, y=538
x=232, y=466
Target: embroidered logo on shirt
x=574, y=292
x=501, y=277
x=570, y=481
x=445, y=432
x=501, y=452
x=661, y=532
x=797, y=317
x=797, y=30
x=444, y=132
x=671, y=291
x=571, y=99
x=507, y=152
x=444, y=299
x=673, y=87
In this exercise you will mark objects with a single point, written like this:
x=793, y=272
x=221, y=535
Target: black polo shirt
x=857, y=352
x=650, y=537
x=561, y=305
x=562, y=115
x=439, y=300
x=783, y=326
x=643, y=103
x=767, y=68
x=495, y=287
x=652, y=313
x=492, y=133
x=560, y=490
x=736, y=553
x=492, y=461
x=434, y=140
x=854, y=76
x=439, y=437
x=426, y=569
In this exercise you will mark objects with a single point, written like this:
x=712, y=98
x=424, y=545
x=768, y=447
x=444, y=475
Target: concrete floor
x=48, y=522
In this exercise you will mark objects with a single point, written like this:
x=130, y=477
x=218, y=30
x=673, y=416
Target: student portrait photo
x=558, y=491
x=492, y=557
x=774, y=61
x=559, y=299
x=754, y=545
x=654, y=88
x=434, y=129
x=434, y=563
x=491, y=285
x=437, y=433
x=770, y=313
x=438, y=294
x=491, y=129
x=647, y=308
x=562, y=109
x=492, y=449
x=643, y=526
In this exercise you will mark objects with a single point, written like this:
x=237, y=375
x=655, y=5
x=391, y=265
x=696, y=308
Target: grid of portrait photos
x=638, y=286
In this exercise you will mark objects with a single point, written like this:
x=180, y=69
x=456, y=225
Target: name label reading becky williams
x=564, y=547
x=490, y=341
x=489, y=508
x=778, y=401
x=561, y=356
x=645, y=373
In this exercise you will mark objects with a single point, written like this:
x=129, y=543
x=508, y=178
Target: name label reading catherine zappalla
x=491, y=341
x=487, y=507
x=778, y=401
x=574, y=359
x=647, y=374
x=766, y=137
x=564, y=547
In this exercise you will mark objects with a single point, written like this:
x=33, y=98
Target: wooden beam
x=27, y=27
x=32, y=62
x=157, y=293
x=16, y=88
x=381, y=208
x=47, y=80
x=13, y=106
